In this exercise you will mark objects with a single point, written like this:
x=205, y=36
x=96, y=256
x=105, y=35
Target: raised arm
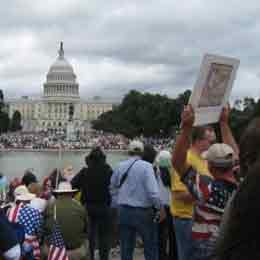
x=226, y=133
x=183, y=141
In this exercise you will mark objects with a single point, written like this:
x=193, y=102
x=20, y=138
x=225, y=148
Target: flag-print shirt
x=32, y=221
x=211, y=197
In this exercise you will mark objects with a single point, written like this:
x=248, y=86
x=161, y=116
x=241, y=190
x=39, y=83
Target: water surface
x=14, y=163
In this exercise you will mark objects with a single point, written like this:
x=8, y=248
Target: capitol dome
x=61, y=79
x=61, y=65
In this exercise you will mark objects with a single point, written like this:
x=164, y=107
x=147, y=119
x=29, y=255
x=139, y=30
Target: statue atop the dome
x=61, y=51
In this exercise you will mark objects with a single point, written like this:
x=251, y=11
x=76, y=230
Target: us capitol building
x=60, y=104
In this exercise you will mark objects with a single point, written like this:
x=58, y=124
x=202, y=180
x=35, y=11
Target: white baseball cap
x=220, y=155
x=136, y=146
x=163, y=159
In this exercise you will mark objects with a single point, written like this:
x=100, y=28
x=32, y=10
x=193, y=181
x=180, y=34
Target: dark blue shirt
x=8, y=238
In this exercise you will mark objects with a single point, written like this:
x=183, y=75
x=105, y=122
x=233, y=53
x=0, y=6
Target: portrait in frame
x=213, y=87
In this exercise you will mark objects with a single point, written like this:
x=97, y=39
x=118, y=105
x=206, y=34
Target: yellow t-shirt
x=179, y=208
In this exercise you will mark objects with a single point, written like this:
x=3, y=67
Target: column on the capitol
x=57, y=111
x=60, y=110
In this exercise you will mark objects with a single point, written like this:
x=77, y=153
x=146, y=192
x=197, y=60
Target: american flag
x=57, y=250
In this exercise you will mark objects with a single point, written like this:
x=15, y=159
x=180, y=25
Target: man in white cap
x=72, y=219
x=210, y=193
x=135, y=191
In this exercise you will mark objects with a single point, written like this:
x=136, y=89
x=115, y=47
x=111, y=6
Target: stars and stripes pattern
x=211, y=197
x=32, y=221
x=13, y=213
x=57, y=249
x=32, y=241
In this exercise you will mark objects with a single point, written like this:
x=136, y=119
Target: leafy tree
x=238, y=104
x=242, y=113
x=1, y=100
x=143, y=114
x=156, y=115
x=4, y=118
x=16, y=121
x=249, y=104
x=257, y=109
x=4, y=122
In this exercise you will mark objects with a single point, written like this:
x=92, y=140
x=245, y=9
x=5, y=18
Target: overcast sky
x=115, y=46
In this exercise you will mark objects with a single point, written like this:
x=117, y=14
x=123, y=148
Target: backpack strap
x=123, y=178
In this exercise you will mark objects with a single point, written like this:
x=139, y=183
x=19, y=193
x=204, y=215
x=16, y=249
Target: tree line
x=154, y=115
x=150, y=115
x=6, y=123
x=143, y=114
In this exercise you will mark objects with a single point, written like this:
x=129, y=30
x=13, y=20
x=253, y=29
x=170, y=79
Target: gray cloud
x=115, y=46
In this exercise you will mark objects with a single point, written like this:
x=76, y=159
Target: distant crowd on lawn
x=21, y=140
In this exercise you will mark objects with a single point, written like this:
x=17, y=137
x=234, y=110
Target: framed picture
x=213, y=87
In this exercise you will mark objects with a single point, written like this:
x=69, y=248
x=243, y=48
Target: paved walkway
x=138, y=255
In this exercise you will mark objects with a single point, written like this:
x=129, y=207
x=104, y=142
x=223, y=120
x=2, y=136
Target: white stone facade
x=60, y=91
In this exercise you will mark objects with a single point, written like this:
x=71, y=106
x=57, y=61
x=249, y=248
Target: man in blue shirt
x=135, y=192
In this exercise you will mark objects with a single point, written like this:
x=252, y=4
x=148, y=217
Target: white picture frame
x=213, y=87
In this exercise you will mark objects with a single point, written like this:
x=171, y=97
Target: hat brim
x=222, y=163
x=65, y=191
x=25, y=197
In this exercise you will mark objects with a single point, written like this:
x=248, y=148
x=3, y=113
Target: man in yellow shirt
x=182, y=202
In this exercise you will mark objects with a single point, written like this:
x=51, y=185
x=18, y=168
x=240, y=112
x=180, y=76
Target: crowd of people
x=45, y=140
x=198, y=201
